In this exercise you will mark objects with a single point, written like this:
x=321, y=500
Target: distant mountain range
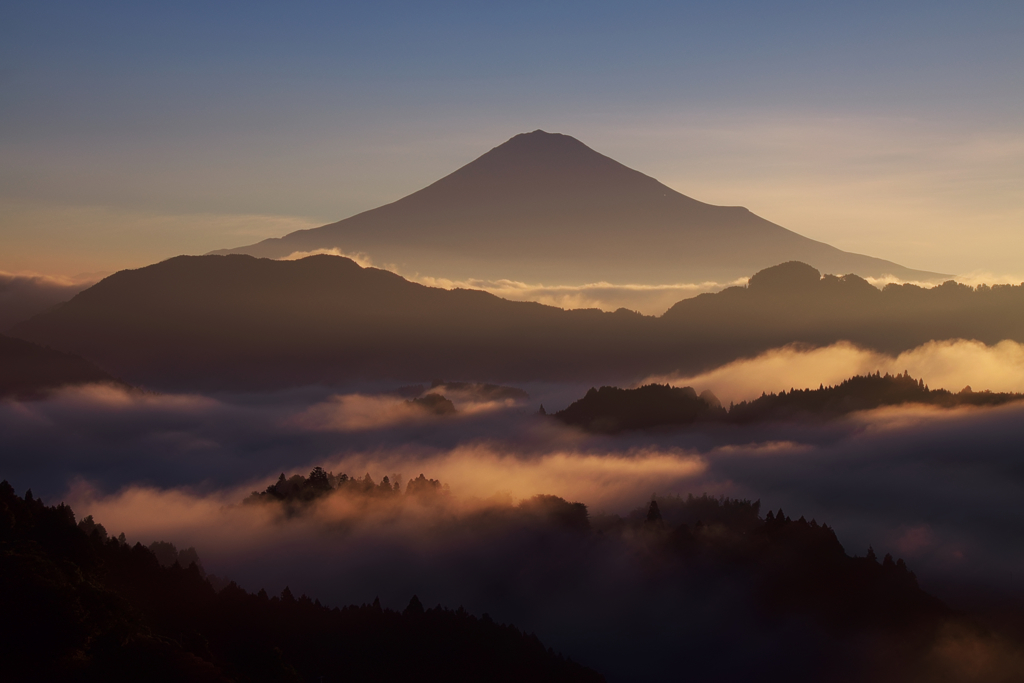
x=545, y=208
x=238, y=322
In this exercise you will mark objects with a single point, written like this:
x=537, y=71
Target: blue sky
x=888, y=128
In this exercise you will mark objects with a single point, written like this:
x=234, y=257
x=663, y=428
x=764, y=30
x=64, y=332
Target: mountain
x=235, y=321
x=238, y=322
x=28, y=370
x=545, y=208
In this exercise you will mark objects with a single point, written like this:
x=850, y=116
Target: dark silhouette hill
x=78, y=606
x=792, y=302
x=863, y=392
x=610, y=409
x=237, y=322
x=544, y=207
x=29, y=371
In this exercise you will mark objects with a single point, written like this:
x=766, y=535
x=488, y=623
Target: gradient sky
x=131, y=132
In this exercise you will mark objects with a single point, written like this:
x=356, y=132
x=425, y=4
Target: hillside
x=29, y=371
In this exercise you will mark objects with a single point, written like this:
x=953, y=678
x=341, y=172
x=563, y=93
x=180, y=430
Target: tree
x=653, y=513
x=318, y=480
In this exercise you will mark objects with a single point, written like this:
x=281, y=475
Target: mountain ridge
x=238, y=322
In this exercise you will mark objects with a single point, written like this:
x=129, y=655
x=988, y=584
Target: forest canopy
x=610, y=409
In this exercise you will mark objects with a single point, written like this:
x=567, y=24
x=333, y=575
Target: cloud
x=354, y=412
x=951, y=365
x=973, y=279
x=646, y=299
x=963, y=653
x=359, y=412
x=919, y=487
x=362, y=259
x=603, y=478
x=939, y=487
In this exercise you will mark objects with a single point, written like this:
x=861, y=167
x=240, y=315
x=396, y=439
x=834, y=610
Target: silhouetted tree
x=653, y=513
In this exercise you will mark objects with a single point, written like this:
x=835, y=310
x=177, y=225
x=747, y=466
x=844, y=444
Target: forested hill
x=862, y=392
x=77, y=606
x=610, y=409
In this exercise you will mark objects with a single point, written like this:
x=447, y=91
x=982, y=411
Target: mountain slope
x=30, y=371
x=237, y=322
x=546, y=208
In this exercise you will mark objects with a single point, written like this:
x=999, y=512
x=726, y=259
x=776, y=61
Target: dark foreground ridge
x=77, y=606
x=610, y=409
x=237, y=322
x=720, y=590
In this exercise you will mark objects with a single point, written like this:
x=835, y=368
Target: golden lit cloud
x=951, y=365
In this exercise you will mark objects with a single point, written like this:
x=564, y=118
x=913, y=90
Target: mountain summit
x=545, y=208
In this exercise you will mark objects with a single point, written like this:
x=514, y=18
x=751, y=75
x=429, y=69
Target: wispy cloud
x=950, y=365
x=607, y=296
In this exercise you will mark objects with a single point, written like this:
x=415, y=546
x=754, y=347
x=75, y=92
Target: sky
x=132, y=132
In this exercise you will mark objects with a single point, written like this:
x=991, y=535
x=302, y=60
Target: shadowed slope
x=30, y=371
x=236, y=322
x=544, y=207
x=80, y=607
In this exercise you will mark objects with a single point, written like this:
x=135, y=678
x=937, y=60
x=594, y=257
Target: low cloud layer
x=936, y=486
x=940, y=488
x=646, y=299
x=362, y=259
x=948, y=365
